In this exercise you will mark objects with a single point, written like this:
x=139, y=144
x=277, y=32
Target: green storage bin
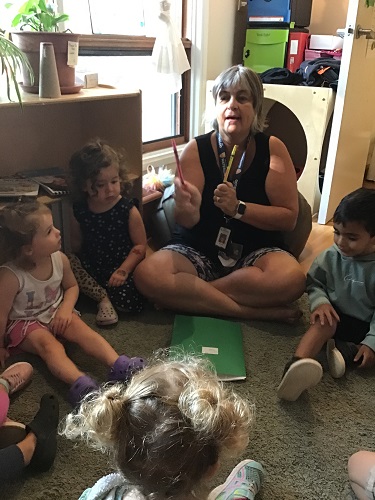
x=265, y=48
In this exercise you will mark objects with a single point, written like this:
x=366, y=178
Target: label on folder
x=217, y=339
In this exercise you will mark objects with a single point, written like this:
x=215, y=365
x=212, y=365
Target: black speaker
x=300, y=12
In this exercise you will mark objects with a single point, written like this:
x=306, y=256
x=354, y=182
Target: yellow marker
x=232, y=155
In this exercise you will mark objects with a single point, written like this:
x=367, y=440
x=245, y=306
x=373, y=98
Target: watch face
x=241, y=208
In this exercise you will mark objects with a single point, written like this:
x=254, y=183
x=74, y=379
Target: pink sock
x=4, y=406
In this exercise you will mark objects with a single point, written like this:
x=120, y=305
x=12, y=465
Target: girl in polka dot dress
x=108, y=234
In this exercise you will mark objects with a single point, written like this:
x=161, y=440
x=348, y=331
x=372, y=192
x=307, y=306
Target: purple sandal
x=80, y=388
x=124, y=367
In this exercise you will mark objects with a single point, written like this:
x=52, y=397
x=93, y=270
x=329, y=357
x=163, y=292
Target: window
x=117, y=41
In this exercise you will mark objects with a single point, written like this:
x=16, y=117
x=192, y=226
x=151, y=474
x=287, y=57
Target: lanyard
x=225, y=166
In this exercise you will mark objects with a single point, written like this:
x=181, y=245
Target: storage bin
x=296, y=49
x=326, y=42
x=265, y=48
x=266, y=11
x=313, y=54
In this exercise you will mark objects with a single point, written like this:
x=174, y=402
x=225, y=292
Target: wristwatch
x=241, y=209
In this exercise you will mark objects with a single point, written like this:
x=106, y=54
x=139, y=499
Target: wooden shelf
x=46, y=132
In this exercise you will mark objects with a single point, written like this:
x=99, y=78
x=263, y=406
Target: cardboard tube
x=49, y=85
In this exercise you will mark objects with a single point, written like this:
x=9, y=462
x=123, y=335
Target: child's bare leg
x=90, y=341
x=44, y=344
x=361, y=469
x=122, y=367
x=314, y=339
x=27, y=447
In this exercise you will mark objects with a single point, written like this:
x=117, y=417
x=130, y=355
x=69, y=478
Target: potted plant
x=39, y=22
x=12, y=59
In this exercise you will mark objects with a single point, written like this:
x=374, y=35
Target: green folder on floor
x=217, y=339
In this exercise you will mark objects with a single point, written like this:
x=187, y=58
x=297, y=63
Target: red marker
x=177, y=162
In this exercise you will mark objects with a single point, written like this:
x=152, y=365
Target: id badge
x=235, y=250
x=223, y=237
x=225, y=260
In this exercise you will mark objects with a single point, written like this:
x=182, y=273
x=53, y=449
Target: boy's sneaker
x=340, y=354
x=16, y=376
x=243, y=482
x=336, y=362
x=299, y=374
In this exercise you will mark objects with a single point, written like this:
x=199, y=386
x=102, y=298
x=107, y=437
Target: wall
x=221, y=23
x=327, y=16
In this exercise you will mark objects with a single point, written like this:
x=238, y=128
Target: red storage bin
x=296, y=49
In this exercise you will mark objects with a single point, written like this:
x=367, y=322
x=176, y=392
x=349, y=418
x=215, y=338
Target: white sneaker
x=336, y=361
x=300, y=375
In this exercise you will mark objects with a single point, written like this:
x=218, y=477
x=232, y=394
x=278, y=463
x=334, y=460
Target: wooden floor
x=321, y=237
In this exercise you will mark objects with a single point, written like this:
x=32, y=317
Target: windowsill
x=160, y=158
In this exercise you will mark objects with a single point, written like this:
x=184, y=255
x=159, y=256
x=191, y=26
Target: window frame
x=101, y=45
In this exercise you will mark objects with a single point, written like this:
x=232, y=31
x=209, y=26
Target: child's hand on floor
x=367, y=355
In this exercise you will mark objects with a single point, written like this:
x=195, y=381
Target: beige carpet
x=304, y=446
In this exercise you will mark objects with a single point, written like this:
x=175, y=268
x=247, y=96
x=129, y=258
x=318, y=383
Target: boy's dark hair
x=358, y=206
x=87, y=162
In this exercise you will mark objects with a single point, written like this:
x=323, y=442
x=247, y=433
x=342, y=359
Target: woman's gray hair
x=249, y=80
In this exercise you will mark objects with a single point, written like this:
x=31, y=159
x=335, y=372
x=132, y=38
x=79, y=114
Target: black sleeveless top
x=250, y=188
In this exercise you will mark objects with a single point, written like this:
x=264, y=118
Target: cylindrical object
x=49, y=85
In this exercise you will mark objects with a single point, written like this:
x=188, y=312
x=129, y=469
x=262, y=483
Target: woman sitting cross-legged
x=239, y=194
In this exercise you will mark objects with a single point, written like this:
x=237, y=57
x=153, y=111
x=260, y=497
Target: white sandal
x=106, y=314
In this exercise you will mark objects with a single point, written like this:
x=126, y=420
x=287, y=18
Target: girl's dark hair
x=87, y=162
x=166, y=428
x=357, y=206
x=18, y=225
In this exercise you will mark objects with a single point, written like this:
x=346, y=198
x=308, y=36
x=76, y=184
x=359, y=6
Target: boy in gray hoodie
x=341, y=289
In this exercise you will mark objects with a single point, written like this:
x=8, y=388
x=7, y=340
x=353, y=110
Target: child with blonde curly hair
x=167, y=432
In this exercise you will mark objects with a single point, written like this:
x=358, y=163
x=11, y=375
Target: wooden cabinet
x=45, y=132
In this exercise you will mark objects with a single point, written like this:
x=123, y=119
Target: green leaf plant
x=12, y=59
x=38, y=15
